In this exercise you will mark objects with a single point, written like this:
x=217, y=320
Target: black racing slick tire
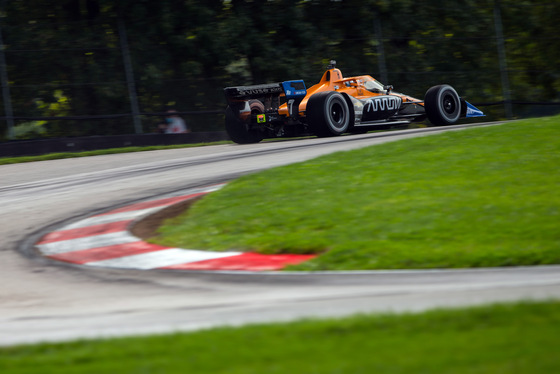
x=328, y=114
x=443, y=105
x=238, y=131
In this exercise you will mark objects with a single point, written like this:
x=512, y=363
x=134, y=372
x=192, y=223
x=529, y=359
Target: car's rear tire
x=328, y=114
x=443, y=105
x=238, y=131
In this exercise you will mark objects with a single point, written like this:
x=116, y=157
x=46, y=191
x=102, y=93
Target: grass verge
x=109, y=151
x=476, y=197
x=505, y=338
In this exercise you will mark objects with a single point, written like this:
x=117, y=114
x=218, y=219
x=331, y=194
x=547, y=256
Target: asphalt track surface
x=46, y=300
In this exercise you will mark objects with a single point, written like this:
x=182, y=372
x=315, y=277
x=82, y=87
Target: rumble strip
x=104, y=240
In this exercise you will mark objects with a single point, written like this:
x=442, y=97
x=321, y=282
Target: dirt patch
x=146, y=228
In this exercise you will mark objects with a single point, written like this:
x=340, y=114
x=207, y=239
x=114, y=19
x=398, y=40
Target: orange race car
x=334, y=106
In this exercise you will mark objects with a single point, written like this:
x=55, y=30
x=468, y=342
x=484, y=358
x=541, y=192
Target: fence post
x=6, y=88
x=380, y=51
x=129, y=77
x=502, y=59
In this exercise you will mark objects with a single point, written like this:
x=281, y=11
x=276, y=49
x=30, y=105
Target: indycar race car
x=334, y=106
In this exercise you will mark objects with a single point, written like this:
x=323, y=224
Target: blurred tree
x=185, y=51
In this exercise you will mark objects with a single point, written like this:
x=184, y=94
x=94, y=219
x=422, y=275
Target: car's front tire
x=443, y=105
x=328, y=114
x=238, y=131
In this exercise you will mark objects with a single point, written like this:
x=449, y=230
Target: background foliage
x=64, y=58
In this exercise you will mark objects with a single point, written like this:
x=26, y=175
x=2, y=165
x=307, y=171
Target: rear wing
x=242, y=93
x=292, y=90
x=269, y=94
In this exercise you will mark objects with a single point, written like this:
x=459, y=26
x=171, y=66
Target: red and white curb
x=104, y=241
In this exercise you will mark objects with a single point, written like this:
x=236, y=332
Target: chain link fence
x=96, y=77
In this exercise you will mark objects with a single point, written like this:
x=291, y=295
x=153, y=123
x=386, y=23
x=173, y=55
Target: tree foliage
x=184, y=52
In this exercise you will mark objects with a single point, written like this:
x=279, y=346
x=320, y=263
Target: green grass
x=470, y=198
x=61, y=155
x=507, y=338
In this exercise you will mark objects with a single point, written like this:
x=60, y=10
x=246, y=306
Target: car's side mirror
x=388, y=88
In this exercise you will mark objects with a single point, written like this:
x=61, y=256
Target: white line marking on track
x=109, y=218
x=164, y=257
x=87, y=242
